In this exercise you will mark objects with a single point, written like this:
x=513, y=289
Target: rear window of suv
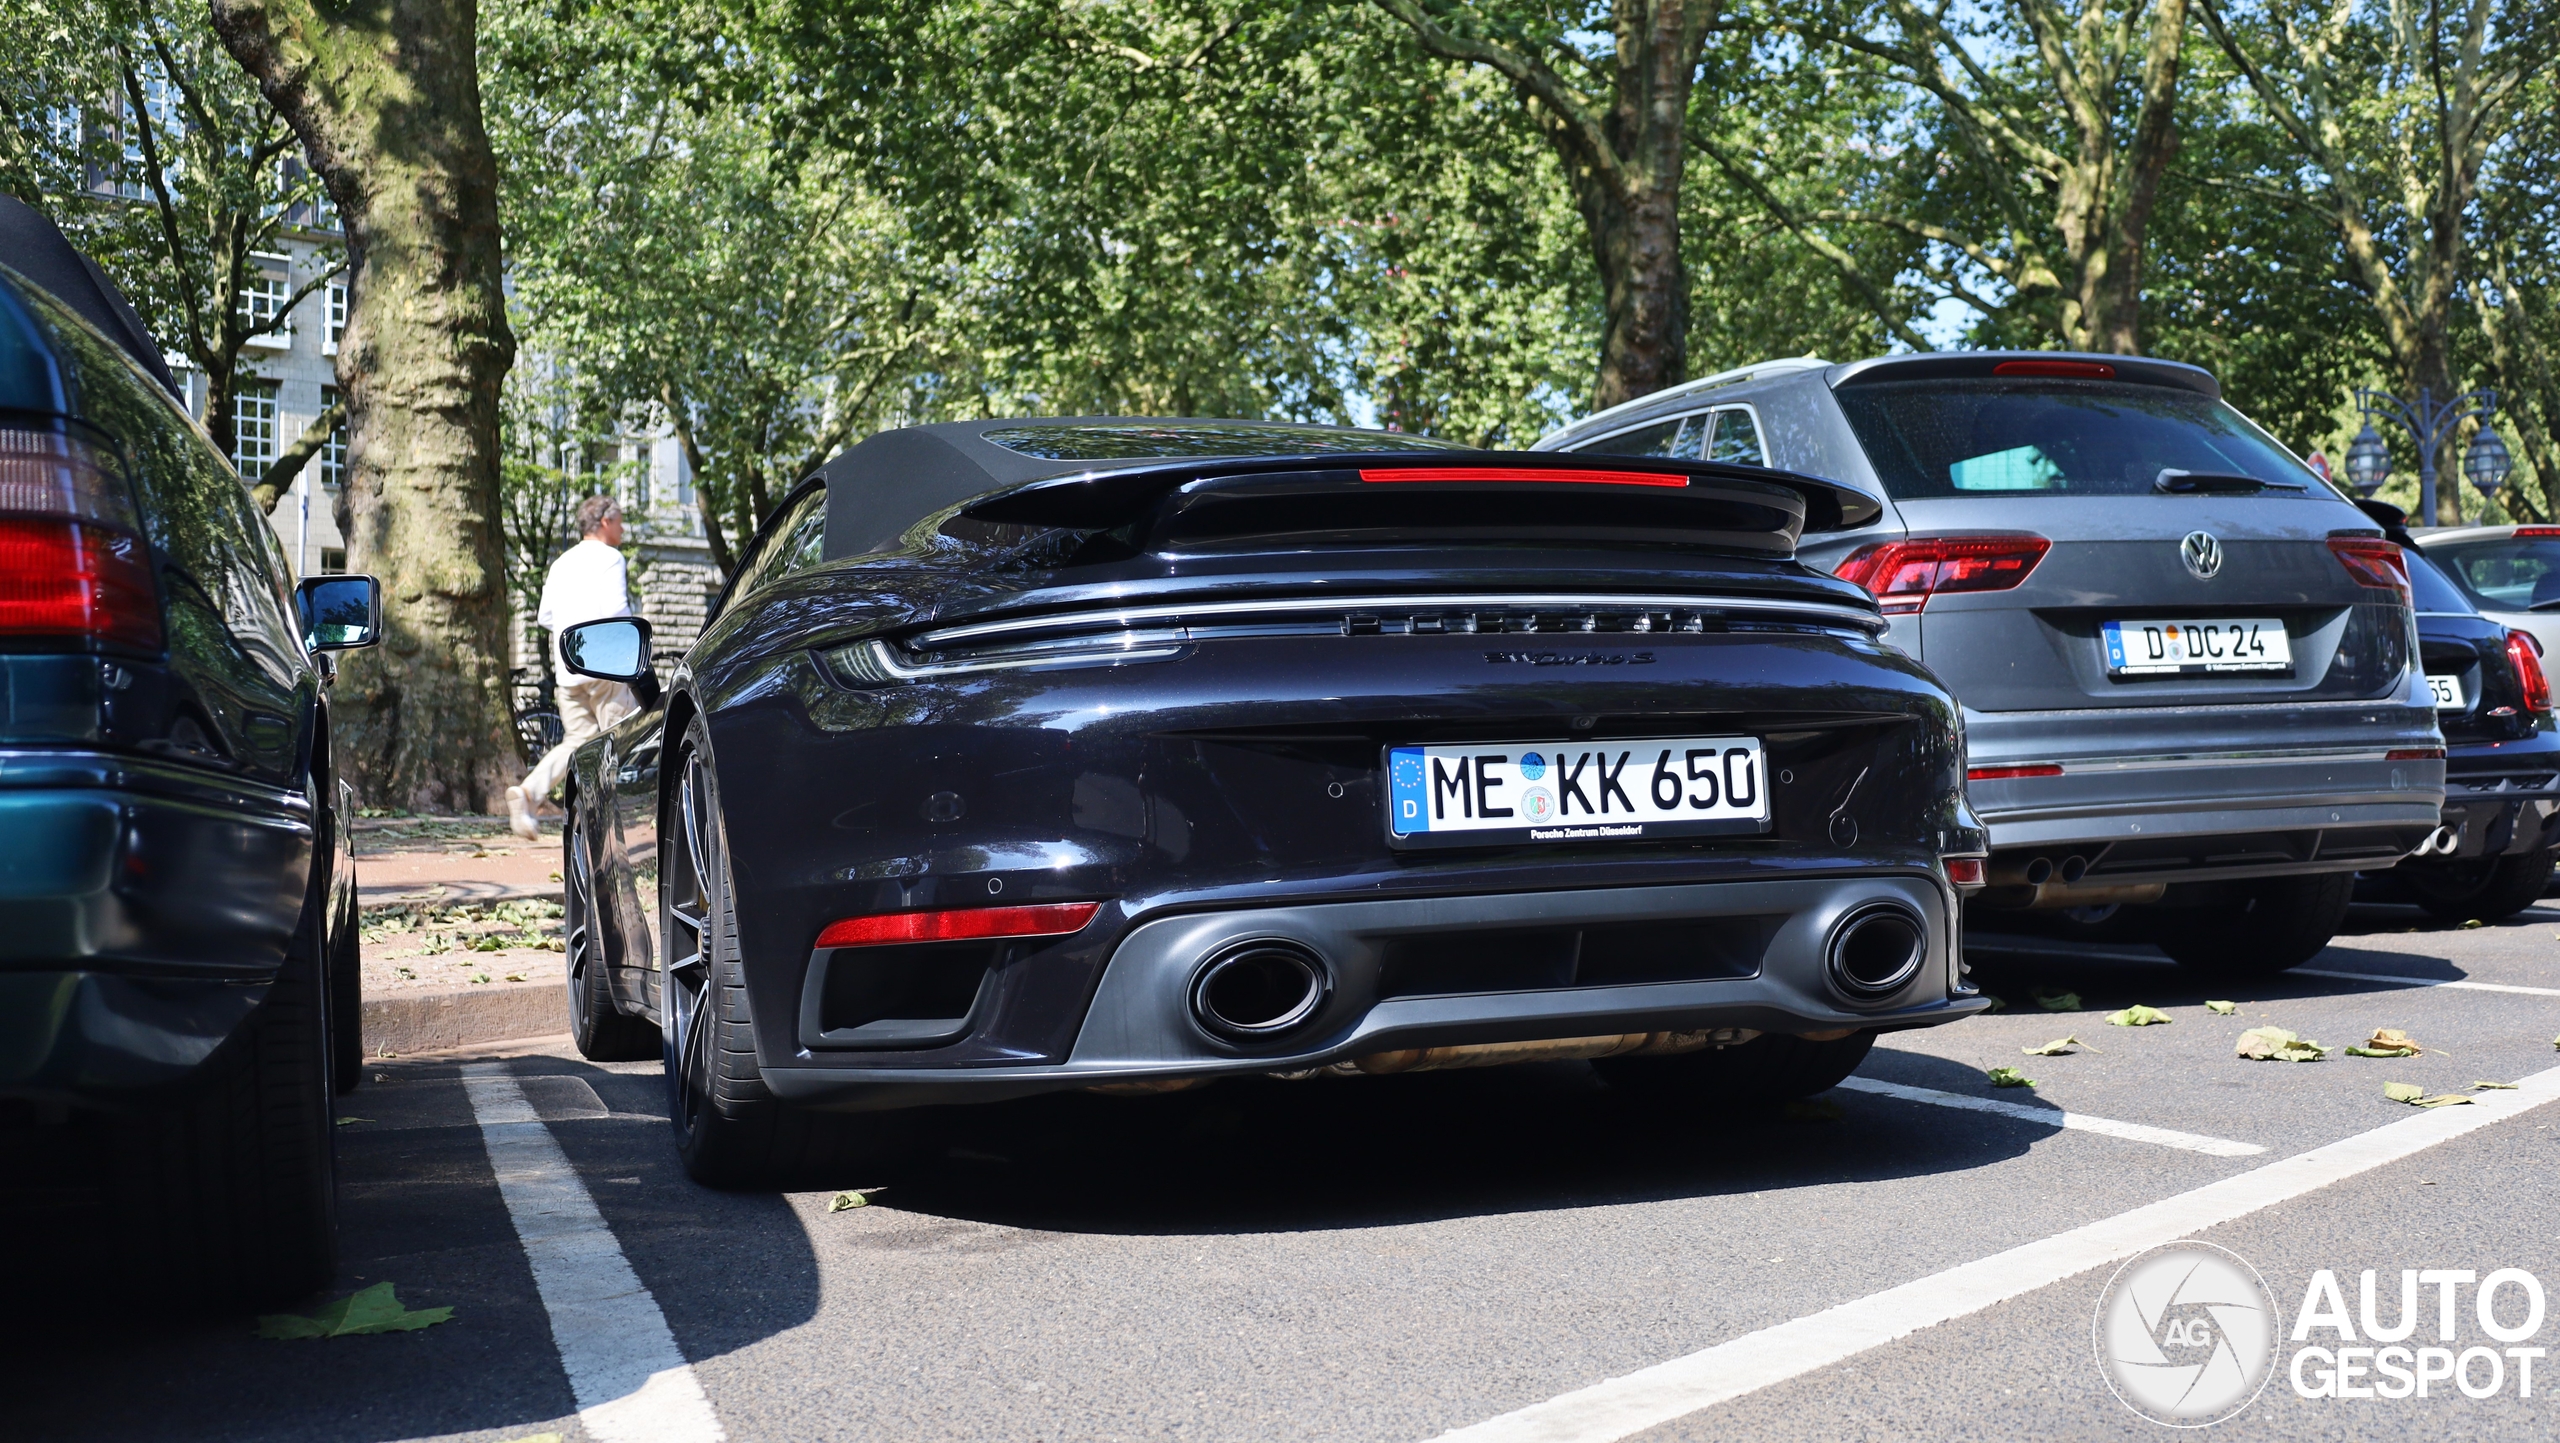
x=2054, y=438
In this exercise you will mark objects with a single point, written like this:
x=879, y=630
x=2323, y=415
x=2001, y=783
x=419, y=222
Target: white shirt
x=587, y=583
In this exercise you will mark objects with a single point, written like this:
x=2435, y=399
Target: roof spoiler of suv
x=1455, y=497
x=2028, y=365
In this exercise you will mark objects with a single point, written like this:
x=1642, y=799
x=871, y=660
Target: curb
x=441, y=1021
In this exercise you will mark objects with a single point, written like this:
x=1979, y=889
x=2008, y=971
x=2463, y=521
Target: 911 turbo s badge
x=1572, y=658
x=2202, y=553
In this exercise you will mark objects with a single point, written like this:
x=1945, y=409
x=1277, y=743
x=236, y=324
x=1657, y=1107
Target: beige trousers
x=587, y=706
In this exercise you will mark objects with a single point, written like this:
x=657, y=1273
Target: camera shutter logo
x=2186, y=1334
x=2202, y=553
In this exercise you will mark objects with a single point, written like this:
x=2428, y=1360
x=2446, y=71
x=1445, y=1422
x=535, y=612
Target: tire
x=229, y=1197
x=1771, y=1068
x=2492, y=889
x=2281, y=923
x=730, y=1130
x=603, y=1032
x=346, y=995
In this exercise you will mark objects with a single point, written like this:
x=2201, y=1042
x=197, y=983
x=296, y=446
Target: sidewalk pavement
x=462, y=934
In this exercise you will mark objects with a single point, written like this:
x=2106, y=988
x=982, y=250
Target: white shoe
x=520, y=815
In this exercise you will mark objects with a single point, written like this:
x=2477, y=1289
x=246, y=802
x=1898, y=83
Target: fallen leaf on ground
x=2058, y=1047
x=2403, y=1091
x=851, y=1198
x=2224, y=1009
x=2386, y=1042
x=515, y=977
x=2500, y=1086
x=2139, y=1016
x=2057, y=1001
x=368, y=1310
x=2274, y=1044
x=2474, y=922
x=342, y=1122
x=2010, y=1077
x=2443, y=1099
x=1811, y=1109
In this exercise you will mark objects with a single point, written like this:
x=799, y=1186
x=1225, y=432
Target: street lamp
x=2428, y=423
x=2368, y=461
x=2487, y=464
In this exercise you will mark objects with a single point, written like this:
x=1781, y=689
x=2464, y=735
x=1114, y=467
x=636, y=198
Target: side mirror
x=614, y=649
x=339, y=613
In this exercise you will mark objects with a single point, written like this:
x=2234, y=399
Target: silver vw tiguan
x=2185, y=660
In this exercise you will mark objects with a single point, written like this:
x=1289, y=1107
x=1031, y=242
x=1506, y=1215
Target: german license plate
x=1489, y=793
x=2184, y=648
x=2448, y=692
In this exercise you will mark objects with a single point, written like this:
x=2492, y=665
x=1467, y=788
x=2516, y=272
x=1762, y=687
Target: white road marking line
x=1654, y=1396
x=631, y=1382
x=2053, y=1117
x=2428, y=982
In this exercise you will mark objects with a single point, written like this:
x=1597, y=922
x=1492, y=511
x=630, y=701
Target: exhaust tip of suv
x=1875, y=950
x=1258, y=990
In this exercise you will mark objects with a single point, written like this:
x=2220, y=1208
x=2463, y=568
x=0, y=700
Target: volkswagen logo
x=2186, y=1334
x=2202, y=554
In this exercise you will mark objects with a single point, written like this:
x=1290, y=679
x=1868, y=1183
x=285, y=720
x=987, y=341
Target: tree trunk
x=385, y=96
x=2112, y=298
x=1624, y=156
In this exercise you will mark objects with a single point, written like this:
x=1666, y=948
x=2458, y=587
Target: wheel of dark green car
x=603, y=1032
x=2490, y=889
x=1773, y=1067
x=730, y=1130
x=346, y=993
x=2276, y=924
x=228, y=1197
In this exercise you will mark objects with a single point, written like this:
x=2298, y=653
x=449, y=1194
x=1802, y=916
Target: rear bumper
x=1139, y=1026
x=2202, y=793
x=2503, y=798
x=144, y=910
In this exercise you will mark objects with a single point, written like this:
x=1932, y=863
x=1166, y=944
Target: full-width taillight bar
x=1556, y=477
x=967, y=924
x=1905, y=574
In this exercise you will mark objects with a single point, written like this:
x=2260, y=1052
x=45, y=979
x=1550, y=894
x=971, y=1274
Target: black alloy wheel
x=730, y=1130
x=602, y=1030
x=2490, y=889
x=2278, y=924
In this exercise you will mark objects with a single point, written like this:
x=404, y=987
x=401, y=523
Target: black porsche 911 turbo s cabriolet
x=1030, y=755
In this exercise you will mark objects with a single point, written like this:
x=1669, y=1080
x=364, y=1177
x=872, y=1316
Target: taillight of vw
x=2373, y=562
x=2525, y=655
x=73, y=565
x=1905, y=574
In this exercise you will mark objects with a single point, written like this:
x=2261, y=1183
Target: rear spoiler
x=1457, y=497
x=2027, y=366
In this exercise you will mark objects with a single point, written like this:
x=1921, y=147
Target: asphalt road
x=1396, y=1258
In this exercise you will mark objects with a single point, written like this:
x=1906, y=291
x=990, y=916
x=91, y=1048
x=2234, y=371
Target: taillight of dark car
x=2525, y=655
x=1905, y=574
x=2373, y=562
x=73, y=565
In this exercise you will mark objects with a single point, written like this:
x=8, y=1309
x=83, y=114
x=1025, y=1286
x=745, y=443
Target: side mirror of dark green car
x=339, y=612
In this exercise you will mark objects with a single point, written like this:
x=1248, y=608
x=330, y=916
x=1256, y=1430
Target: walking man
x=586, y=584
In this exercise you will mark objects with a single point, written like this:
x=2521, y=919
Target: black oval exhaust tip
x=1875, y=950
x=1253, y=991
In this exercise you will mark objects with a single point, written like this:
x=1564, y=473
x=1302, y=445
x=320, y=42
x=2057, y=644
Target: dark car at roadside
x=1028, y=756
x=2492, y=856
x=178, y=963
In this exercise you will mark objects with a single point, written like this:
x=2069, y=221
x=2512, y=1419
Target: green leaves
x=851, y=1198
x=2058, y=1047
x=2139, y=1016
x=2416, y=1096
x=2009, y=1077
x=2274, y=1044
x=2222, y=1009
x=2057, y=1001
x=369, y=1310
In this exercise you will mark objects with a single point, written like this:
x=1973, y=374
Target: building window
x=332, y=559
x=333, y=452
x=262, y=298
x=253, y=427
x=333, y=309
